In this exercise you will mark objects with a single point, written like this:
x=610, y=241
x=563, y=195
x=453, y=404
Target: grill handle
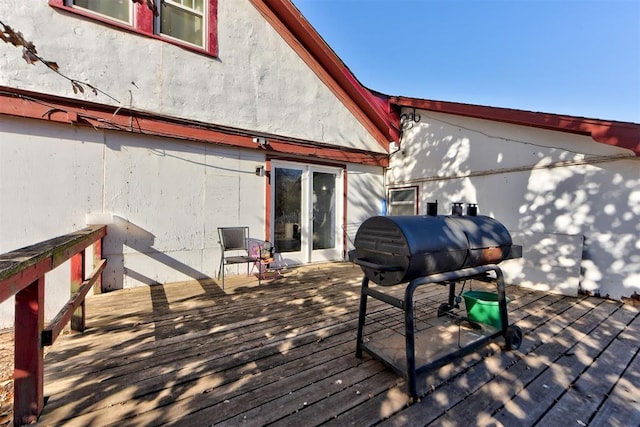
x=377, y=267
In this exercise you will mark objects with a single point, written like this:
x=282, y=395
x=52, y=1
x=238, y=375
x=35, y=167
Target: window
x=188, y=23
x=116, y=9
x=403, y=201
x=183, y=20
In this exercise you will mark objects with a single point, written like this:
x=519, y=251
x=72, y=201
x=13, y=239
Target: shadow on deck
x=284, y=353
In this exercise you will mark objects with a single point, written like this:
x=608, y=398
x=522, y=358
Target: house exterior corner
x=567, y=195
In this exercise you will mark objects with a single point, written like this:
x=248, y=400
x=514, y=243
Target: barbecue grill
x=393, y=250
x=434, y=249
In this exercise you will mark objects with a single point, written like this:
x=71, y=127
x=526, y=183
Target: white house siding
x=574, y=203
x=164, y=199
x=167, y=199
x=40, y=198
x=257, y=82
x=365, y=198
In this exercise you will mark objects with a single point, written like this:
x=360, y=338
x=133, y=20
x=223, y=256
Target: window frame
x=144, y=23
x=415, y=200
x=175, y=4
x=107, y=17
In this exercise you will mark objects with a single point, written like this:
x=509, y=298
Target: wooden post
x=97, y=258
x=77, y=277
x=29, y=355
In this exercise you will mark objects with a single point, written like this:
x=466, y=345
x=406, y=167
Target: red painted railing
x=22, y=274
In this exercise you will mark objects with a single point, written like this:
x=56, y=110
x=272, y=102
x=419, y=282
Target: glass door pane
x=324, y=210
x=287, y=210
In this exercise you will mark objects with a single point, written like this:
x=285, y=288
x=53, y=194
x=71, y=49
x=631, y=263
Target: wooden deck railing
x=22, y=274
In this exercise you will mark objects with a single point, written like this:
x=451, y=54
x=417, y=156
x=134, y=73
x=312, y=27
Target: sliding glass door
x=306, y=213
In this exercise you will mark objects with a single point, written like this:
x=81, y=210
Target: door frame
x=307, y=254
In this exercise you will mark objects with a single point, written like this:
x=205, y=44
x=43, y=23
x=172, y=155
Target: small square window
x=403, y=201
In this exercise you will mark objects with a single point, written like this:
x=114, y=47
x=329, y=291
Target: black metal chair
x=235, y=239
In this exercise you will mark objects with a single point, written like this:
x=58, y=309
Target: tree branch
x=30, y=55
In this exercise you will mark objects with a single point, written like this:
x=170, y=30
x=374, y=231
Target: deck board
x=512, y=378
x=283, y=353
x=480, y=373
x=588, y=391
x=567, y=355
x=621, y=405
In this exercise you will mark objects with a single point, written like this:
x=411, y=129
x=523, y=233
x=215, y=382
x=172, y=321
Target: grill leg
x=502, y=300
x=452, y=293
x=361, y=316
x=409, y=325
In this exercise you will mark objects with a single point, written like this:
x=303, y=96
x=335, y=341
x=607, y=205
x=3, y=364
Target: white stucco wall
x=365, y=197
x=257, y=82
x=39, y=198
x=542, y=185
x=165, y=199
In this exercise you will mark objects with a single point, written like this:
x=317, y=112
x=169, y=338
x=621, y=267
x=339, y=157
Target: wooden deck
x=191, y=354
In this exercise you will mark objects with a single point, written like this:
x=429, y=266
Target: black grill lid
x=395, y=249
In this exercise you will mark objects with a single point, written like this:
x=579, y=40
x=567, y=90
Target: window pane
x=118, y=9
x=181, y=24
x=324, y=208
x=402, y=201
x=191, y=4
x=402, y=195
x=402, y=210
x=288, y=202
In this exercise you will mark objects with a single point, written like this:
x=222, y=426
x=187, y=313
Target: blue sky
x=576, y=57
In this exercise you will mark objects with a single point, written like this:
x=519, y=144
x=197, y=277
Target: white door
x=306, y=212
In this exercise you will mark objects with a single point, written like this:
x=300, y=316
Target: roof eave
x=615, y=133
x=56, y=109
x=372, y=110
